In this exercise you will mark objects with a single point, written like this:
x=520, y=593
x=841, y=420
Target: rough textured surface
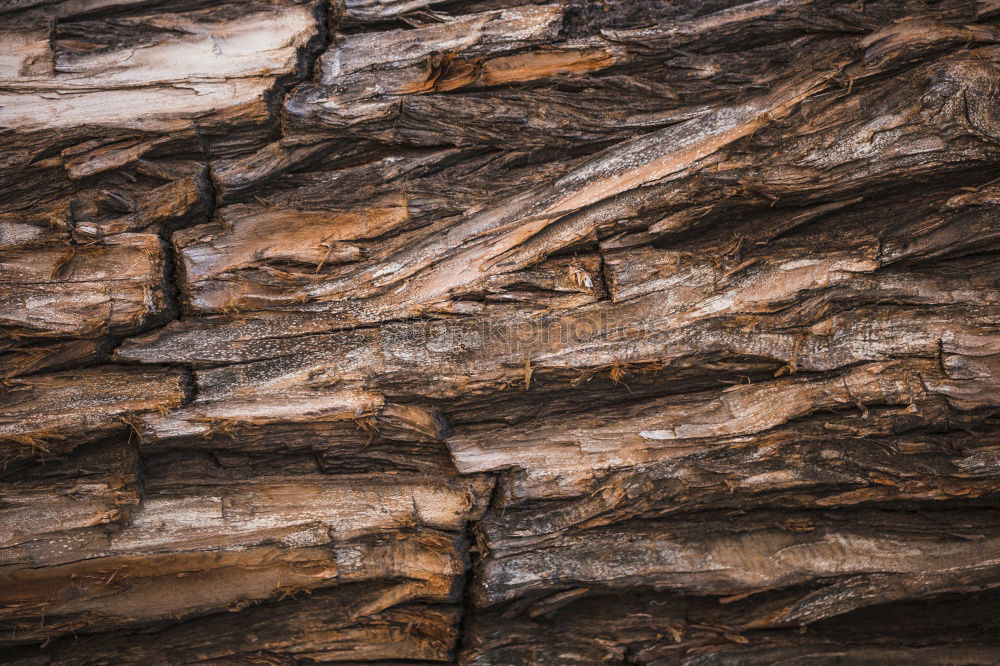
x=500, y=332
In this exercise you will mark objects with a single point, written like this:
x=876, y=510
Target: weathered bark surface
x=500, y=332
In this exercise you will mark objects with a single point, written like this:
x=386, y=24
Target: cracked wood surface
x=493, y=332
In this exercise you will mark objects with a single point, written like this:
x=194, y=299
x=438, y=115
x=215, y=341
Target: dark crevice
x=474, y=558
x=189, y=385
x=212, y=195
x=306, y=65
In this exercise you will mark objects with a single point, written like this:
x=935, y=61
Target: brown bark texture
x=498, y=332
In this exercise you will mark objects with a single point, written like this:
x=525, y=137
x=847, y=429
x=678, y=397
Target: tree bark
x=500, y=332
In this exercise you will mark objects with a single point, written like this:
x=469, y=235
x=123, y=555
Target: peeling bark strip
x=494, y=332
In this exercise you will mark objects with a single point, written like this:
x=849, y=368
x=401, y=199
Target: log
x=492, y=332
